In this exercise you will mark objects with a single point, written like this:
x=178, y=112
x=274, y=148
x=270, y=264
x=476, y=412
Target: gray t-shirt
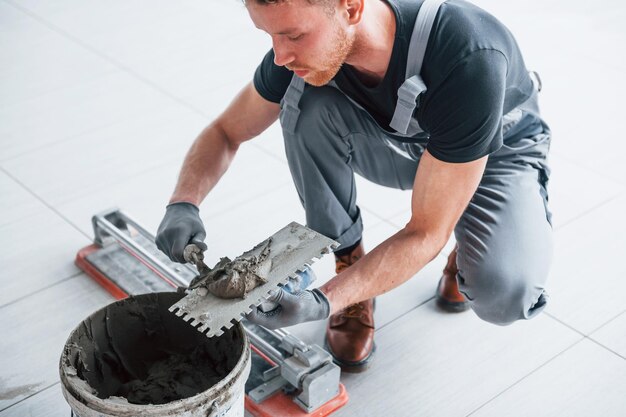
x=473, y=70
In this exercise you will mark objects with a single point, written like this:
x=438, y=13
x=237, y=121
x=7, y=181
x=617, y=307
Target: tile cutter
x=288, y=377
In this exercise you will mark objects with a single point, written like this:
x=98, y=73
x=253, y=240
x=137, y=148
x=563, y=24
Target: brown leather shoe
x=350, y=333
x=448, y=296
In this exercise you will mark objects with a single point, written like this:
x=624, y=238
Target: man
x=468, y=141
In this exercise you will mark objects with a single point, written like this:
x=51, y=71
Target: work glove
x=292, y=307
x=180, y=227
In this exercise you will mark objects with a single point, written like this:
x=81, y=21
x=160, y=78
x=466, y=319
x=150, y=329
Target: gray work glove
x=180, y=226
x=292, y=307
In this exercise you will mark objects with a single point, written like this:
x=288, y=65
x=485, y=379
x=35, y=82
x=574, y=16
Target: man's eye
x=295, y=38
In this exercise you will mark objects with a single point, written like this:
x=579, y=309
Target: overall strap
x=290, y=108
x=410, y=90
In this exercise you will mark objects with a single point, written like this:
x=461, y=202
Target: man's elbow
x=431, y=239
x=228, y=139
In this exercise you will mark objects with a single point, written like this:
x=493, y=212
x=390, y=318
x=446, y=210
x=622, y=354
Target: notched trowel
x=278, y=258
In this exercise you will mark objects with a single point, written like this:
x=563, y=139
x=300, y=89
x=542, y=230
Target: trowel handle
x=193, y=253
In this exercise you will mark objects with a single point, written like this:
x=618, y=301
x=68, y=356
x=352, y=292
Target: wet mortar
x=234, y=279
x=135, y=351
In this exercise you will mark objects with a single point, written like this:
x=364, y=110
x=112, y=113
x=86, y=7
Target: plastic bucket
x=135, y=358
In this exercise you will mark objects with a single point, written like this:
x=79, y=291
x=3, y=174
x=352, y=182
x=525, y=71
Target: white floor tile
x=37, y=60
x=384, y=202
x=586, y=380
x=433, y=364
x=47, y=403
x=12, y=20
x=197, y=69
x=144, y=196
x=44, y=8
x=572, y=47
x=79, y=109
x=587, y=278
x=37, y=251
x=16, y=202
x=35, y=330
x=211, y=98
x=575, y=190
x=75, y=167
x=613, y=335
x=582, y=29
x=148, y=39
x=576, y=128
x=201, y=51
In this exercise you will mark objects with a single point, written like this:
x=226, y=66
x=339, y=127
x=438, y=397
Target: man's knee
x=501, y=295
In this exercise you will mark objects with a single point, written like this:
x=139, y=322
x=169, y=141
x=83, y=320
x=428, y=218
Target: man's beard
x=342, y=47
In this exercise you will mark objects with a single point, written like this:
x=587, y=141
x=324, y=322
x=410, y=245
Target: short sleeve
x=463, y=114
x=270, y=80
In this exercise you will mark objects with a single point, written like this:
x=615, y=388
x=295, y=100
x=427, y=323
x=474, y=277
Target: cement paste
x=136, y=351
x=234, y=279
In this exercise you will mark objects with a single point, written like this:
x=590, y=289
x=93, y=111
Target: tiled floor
x=99, y=101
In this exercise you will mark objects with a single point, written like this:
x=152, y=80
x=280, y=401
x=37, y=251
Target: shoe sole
x=450, y=306
x=352, y=367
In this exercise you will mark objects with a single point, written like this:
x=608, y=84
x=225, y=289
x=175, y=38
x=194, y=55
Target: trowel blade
x=293, y=248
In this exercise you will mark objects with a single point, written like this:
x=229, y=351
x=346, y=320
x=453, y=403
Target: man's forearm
x=390, y=264
x=206, y=161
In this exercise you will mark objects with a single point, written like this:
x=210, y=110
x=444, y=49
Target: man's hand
x=299, y=307
x=180, y=226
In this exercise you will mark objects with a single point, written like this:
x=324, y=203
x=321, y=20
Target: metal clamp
x=307, y=369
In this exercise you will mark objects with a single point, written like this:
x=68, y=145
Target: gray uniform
x=504, y=236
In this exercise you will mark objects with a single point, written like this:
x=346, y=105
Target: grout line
x=113, y=184
x=29, y=396
x=607, y=322
x=58, y=141
x=584, y=337
x=428, y=300
x=405, y=313
x=524, y=377
x=108, y=58
x=590, y=337
x=40, y=289
x=564, y=324
x=605, y=347
x=45, y=203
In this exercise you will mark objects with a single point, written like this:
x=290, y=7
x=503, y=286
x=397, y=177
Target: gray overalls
x=504, y=237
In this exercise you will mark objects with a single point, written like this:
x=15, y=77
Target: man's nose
x=283, y=55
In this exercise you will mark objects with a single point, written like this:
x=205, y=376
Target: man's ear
x=352, y=10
